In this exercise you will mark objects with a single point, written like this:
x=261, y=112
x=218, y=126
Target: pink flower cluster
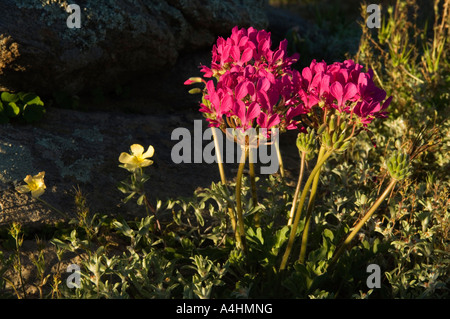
x=344, y=87
x=244, y=46
x=252, y=84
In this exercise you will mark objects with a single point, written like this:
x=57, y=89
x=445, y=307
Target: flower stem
x=300, y=207
x=19, y=263
x=362, y=222
x=219, y=156
x=312, y=198
x=148, y=207
x=253, y=187
x=223, y=179
x=52, y=207
x=280, y=159
x=297, y=189
x=240, y=216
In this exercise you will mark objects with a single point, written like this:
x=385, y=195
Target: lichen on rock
x=15, y=161
x=9, y=51
x=117, y=41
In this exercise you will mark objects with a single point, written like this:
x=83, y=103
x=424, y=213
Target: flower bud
x=326, y=139
x=340, y=146
x=334, y=137
x=195, y=91
x=398, y=165
x=332, y=122
x=344, y=146
x=193, y=80
x=306, y=141
x=321, y=128
x=337, y=145
x=341, y=137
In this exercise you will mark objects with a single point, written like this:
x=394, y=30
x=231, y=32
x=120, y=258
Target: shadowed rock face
x=82, y=149
x=118, y=40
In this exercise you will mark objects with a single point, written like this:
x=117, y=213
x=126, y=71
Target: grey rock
x=80, y=149
x=118, y=39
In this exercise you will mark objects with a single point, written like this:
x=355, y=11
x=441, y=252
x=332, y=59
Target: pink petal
x=325, y=85
x=262, y=120
x=243, y=42
x=263, y=99
x=251, y=90
x=241, y=90
x=210, y=87
x=263, y=84
x=316, y=80
x=253, y=111
x=227, y=104
x=350, y=91
x=278, y=55
x=273, y=121
x=337, y=91
x=239, y=110
x=207, y=71
x=362, y=83
x=247, y=55
x=307, y=74
x=235, y=53
x=225, y=55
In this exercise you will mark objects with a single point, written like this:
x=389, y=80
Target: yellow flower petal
x=41, y=175
x=149, y=152
x=23, y=189
x=38, y=192
x=136, y=149
x=126, y=158
x=145, y=163
x=28, y=179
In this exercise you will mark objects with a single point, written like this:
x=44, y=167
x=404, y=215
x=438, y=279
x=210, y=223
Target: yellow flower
x=35, y=185
x=137, y=158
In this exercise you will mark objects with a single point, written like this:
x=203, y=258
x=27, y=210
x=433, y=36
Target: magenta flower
x=344, y=87
x=218, y=103
x=268, y=121
x=246, y=114
x=254, y=86
x=342, y=94
x=243, y=46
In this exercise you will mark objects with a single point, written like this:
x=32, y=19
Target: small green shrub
x=25, y=107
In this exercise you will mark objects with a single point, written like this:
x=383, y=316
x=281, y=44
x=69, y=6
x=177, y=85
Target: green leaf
x=281, y=236
x=140, y=200
x=9, y=97
x=124, y=228
x=366, y=244
x=376, y=242
x=129, y=197
x=12, y=109
x=31, y=99
x=328, y=234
